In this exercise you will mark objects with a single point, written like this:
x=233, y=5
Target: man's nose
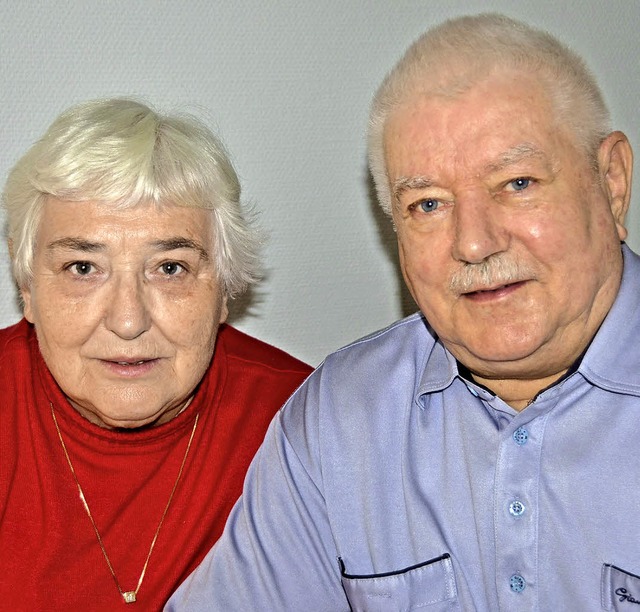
x=127, y=314
x=479, y=230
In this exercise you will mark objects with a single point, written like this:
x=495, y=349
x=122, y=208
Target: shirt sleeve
x=277, y=551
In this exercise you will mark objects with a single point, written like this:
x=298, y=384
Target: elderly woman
x=128, y=411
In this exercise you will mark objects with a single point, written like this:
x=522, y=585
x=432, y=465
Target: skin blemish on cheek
x=535, y=232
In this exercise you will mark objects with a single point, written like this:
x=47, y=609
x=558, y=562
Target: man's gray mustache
x=488, y=274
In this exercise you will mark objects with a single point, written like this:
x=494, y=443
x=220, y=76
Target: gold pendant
x=128, y=596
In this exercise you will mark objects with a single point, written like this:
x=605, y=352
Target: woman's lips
x=130, y=368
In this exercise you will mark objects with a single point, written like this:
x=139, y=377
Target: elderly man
x=124, y=435
x=482, y=455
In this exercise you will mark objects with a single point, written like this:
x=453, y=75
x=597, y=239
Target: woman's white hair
x=122, y=153
x=455, y=55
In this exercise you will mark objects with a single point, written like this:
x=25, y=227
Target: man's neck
x=516, y=392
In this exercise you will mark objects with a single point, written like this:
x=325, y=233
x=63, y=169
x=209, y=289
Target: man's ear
x=615, y=161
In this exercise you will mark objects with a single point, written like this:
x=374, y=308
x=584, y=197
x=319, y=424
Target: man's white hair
x=452, y=57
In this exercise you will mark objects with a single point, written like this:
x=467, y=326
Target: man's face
x=507, y=238
x=126, y=306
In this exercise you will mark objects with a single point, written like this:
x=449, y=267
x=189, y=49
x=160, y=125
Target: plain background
x=287, y=85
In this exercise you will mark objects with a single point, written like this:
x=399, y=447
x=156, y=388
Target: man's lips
x=491, y=293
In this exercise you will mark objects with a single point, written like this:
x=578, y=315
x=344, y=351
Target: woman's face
x=126, y=304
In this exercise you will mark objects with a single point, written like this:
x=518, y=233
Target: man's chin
x=501, y=359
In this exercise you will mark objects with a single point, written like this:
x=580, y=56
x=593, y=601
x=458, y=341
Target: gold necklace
x=128, y=596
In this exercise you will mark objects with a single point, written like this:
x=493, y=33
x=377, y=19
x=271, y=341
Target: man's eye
x=171, y=268
x=520, y=183
x=81, y=268
x=428, y=205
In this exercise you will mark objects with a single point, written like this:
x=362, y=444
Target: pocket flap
x=620, y=589
x=414, y=587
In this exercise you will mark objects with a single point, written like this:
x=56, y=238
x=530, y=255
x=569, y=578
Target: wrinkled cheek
x=419, y=269
x=62, y=332
x=429, y=295
x=411, y=278
x=198, y=344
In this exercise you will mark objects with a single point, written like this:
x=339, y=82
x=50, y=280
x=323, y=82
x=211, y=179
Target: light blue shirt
x=388, y=482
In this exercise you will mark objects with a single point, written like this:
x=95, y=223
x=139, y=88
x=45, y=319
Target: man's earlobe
x=615, y=159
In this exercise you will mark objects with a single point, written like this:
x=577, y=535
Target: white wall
x=287, y=84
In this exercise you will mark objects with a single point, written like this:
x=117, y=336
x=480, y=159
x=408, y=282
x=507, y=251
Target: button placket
x=516, y=485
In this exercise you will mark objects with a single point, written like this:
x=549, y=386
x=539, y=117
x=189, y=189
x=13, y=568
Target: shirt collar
x=612, y=361
x=440, y=366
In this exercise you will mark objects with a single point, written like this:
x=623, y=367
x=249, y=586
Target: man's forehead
x=490, y=127
x=501, y=87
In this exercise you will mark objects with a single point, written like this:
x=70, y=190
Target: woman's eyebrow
x=76, y=244
x=179, y=242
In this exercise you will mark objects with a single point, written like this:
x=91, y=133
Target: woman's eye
x=428, y=205
x=171, y=268
x=520, y=183
x=81, y=268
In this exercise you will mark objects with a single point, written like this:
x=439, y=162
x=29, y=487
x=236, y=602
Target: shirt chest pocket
x=430, y=586
x=620, y=589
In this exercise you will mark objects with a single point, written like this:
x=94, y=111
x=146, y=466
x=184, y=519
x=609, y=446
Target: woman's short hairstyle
x=122, y=153
x=455, y=55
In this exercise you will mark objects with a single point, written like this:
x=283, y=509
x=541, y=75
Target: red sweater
x=49, y=555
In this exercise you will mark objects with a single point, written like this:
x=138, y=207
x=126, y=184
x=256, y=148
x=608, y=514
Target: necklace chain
x=128, y=596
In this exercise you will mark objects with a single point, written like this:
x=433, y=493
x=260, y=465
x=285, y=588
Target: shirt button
x=521, y=435
x=516, y=508
x=517, y=583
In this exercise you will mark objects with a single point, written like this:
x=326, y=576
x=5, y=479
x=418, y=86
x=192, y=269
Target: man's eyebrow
x=505, y=159
x=405, y=183
x=515, y=155
x=171, y=244
x=76, y=244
